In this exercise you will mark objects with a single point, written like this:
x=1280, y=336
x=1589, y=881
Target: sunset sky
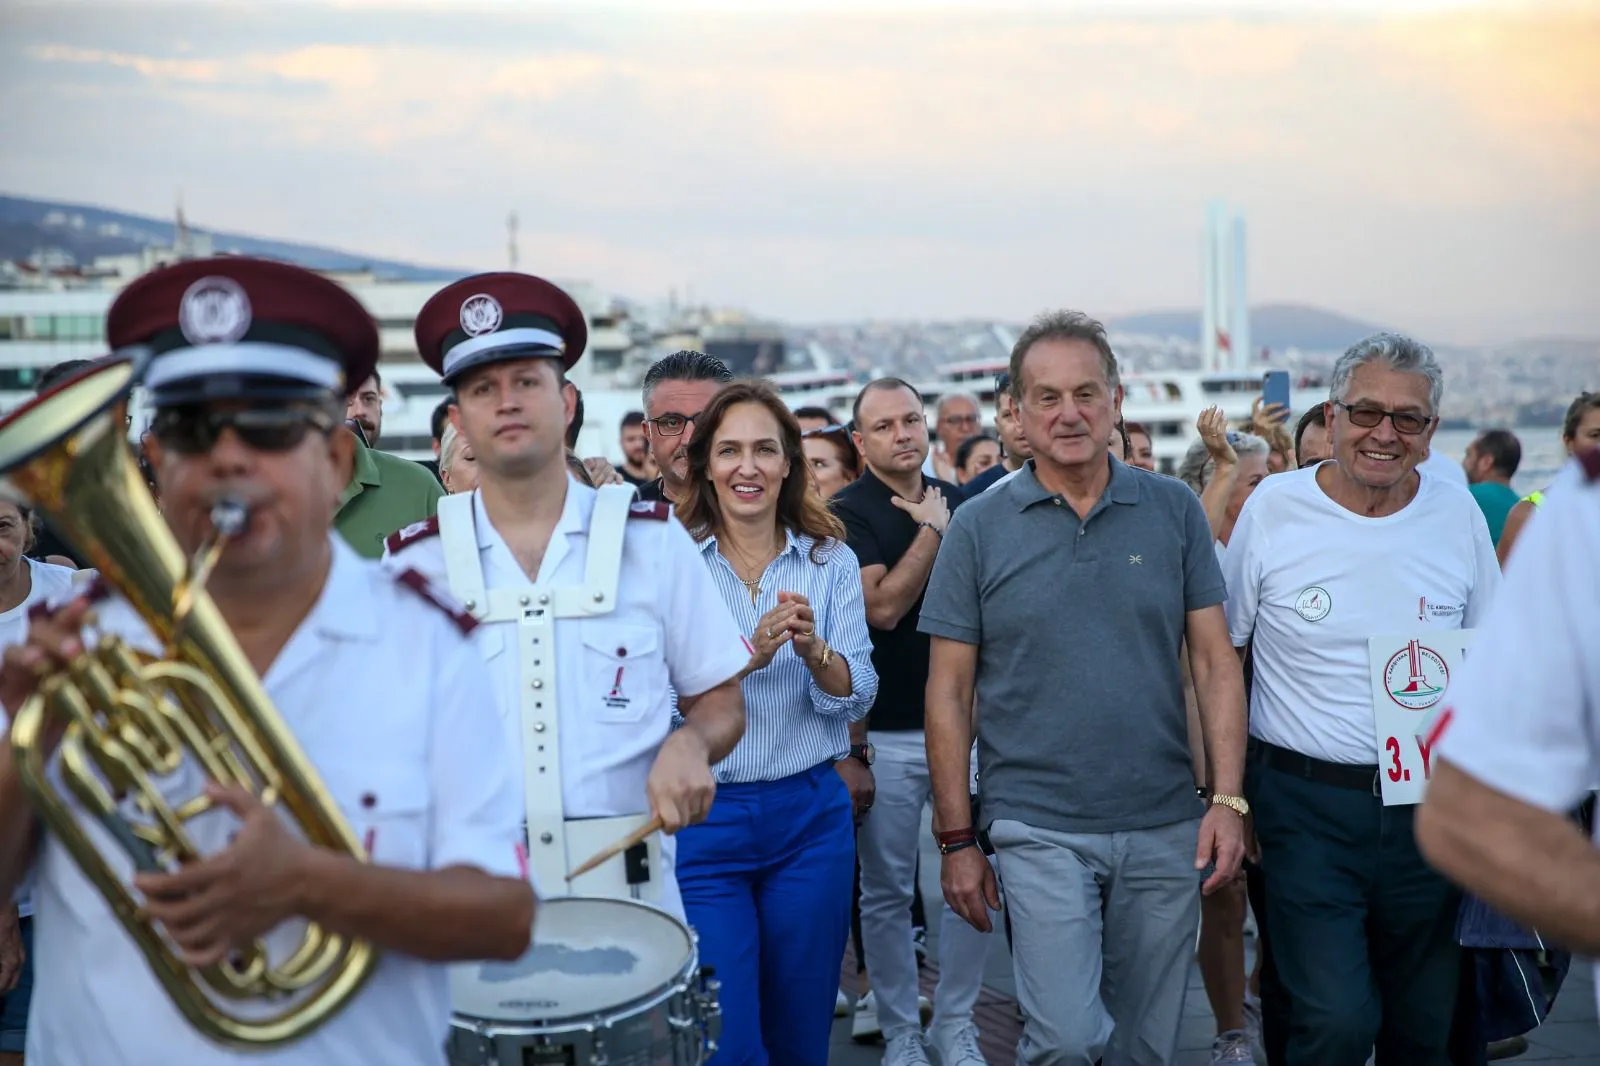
x=1429, y=166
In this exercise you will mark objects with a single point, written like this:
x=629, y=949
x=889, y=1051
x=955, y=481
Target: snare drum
x=606, y=980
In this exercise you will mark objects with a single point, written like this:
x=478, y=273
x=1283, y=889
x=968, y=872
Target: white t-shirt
x=1444, y=468
x=49, y=580
x=1524, y=716
x=1312, y=582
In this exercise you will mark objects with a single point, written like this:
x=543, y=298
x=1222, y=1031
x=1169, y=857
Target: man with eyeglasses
x=1015, y=447
x=374, y=676
x=676, y=389
x=1320, y=561
x=955, y=419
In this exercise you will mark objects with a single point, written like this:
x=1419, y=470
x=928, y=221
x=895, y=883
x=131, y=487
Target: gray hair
x=1064, y=326
x=1197, y=467
x=449, y=444
x=1396, y=351
x=949, y=396
x=685, y=365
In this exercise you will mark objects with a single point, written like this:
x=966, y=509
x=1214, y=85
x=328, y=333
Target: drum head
x=589, y=956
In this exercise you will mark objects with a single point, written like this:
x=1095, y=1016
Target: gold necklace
x=751, y=585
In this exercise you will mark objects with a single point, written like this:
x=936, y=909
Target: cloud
x=880, y=160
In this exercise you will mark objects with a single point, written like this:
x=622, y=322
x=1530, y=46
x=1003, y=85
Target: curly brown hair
x=801, y=509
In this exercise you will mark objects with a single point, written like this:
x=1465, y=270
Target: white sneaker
x=906, y=1050
x=1232, y=1048
x=841, y=1005
x=958, y=1045
x=864, y=1027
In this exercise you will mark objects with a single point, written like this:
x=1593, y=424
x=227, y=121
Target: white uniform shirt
x=1313, y=581
x=388, y=700
x=670, y=631
x=1524, y=716
x=49, y=582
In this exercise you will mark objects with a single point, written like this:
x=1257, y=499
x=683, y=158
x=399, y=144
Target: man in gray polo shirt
x=1060, y=599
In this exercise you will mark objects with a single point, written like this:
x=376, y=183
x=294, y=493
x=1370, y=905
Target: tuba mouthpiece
x=229, y=516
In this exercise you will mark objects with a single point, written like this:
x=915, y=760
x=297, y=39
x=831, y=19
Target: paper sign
x=1411, y=678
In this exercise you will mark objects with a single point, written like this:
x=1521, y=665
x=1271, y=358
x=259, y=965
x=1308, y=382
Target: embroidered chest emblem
x=1135, y=560
x=616, y=699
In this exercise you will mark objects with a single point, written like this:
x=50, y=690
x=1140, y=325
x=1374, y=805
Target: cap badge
x=214, y=310
x=480, y=314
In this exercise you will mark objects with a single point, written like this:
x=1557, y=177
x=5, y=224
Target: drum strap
x=534, y=611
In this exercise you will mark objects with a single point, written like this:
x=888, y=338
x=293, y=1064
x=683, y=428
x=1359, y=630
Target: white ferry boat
x=40, y=327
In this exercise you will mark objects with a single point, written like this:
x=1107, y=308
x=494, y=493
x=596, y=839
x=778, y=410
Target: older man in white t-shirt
x=1520, y=745
x=1322, y=560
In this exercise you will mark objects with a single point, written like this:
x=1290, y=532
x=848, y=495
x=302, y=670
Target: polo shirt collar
x=365, y=474
x=1026, y=489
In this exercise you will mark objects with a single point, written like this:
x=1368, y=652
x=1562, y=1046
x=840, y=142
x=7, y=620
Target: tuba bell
x=131, y=718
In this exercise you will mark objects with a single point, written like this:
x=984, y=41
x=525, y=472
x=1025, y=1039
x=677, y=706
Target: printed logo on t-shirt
x=1416, y=677
x=1313, y=603
x=1428, y=610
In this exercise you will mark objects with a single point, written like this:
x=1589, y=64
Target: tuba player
x=370, y=671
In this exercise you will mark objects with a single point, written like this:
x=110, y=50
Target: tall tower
x=1225, y=316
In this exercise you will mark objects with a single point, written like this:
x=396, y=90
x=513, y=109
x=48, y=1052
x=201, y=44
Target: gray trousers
x=1104, y=929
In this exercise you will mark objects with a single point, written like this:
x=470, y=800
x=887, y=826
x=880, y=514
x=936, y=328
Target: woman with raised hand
x=766, y=877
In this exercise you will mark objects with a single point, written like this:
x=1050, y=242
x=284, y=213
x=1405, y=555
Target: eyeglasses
x=194, y=432
x=673, y=424
x=1404, y=422
x=959, y=420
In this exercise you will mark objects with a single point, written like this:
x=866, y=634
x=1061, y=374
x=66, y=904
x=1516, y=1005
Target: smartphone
x=1275, y=390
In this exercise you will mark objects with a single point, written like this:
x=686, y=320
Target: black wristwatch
x=864, y=752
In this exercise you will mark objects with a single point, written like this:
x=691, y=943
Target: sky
x=1423, y=164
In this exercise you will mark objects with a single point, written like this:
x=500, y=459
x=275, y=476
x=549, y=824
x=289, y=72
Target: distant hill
x=85, y=232
x=1274, y=326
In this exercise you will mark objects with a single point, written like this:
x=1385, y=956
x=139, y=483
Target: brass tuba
x=130, y=718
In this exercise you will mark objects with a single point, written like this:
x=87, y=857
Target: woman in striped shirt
x=766, y=878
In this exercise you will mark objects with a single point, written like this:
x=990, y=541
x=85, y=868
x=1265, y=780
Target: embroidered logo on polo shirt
x=480, y=314
x=1416, y=677
x=1313, y=604
x=1135, y=560
x=1427, y=609
x=214, y=310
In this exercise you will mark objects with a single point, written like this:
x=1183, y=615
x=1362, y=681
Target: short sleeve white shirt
x=49, y=582
x=1312, y=582
x=1524, y=717
x=670, y=631
x=387, y=698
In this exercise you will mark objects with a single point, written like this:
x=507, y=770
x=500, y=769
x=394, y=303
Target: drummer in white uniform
x=1519, y=745
x=590, y=605
x=370, y=671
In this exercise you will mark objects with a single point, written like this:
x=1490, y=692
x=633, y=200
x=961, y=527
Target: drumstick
x=638, y=836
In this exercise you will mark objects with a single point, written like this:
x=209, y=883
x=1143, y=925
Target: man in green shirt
x=385, y=493
x=1490, y=462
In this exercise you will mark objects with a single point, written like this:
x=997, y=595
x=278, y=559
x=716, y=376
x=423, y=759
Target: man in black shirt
x=636, y=468
x=676, y=389
x=895, y=517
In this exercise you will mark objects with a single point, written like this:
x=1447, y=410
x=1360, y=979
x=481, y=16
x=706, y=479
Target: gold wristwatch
x=1238, y=804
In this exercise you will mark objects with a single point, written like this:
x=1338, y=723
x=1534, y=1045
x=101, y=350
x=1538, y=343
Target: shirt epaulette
x=652, y=509
x=418, y=583
x=1590, y=461
x=428, y=527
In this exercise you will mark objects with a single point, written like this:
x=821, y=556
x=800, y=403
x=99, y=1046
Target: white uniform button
x=537, y=683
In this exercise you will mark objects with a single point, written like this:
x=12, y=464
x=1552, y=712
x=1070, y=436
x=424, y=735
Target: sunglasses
x=1405, y=423
x=195, y=432
x=822, y=431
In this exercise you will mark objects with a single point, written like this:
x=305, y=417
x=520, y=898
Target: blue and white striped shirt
x=791, y=724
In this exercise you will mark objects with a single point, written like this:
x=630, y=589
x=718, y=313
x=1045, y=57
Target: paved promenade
x=1570, y=1036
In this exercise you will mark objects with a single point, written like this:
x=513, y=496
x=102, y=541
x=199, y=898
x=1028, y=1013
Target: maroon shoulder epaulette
x=653, y=509
x=428, y=527
x=1590, y=461
x=418, y=583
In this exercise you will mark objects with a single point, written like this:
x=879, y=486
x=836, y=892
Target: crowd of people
x=1138, y=707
